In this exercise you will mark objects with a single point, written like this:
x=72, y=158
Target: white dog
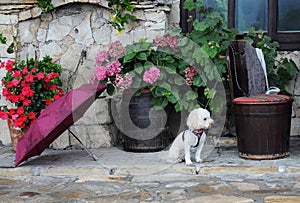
x=198, y=121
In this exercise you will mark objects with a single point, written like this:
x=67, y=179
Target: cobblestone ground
x=118, y=176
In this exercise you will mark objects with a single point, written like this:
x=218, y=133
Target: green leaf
x=148, y=64
x=172, y=99
x=139, y=70
x=191, y=95
x=170, y=59
x=2, y=39
x=136, y=83
x=177, y=107
x=10, y=49
x=129, y=57
x=179, y=81
x=142, y=56
x=110, y=89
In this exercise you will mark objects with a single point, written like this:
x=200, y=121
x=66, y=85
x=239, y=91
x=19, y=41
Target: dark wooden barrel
x=263, y=129
x=150, y=124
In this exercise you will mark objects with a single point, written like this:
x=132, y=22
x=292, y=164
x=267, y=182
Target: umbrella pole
x=85, y=148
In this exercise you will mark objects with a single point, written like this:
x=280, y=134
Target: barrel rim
x=263, y=156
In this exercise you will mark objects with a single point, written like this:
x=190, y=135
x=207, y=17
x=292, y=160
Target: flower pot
x=15, y=133
x=144, y=128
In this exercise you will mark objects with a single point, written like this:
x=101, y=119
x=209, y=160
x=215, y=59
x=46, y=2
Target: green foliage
x=10, y=48
x=45, y=5
x=2, y=39
x=121, y=15
x=210, y=33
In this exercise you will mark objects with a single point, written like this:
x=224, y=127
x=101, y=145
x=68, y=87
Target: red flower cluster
x=30, y=87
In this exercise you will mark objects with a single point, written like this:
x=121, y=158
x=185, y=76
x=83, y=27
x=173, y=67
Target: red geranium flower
x=31, y=115
x=29, y=78
x=48, y=102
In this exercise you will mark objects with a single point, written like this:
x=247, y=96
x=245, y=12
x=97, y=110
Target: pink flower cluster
x=189, y=74
x=171, y=41
x=107, y=62
x=101, y=56
x=111, y=69
x=123, y=82
x=116, y=50
x=151, y=75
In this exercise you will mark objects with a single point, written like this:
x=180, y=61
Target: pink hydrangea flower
x=101, y=56
x=189, y=74
x=116, y=50
x=113, y=68
x=123, y=82
x=101, y=72
x=160, y=41
x=171, y=41
x=151, y=75
x=93, y=80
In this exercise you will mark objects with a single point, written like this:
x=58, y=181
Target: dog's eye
x=205, y=119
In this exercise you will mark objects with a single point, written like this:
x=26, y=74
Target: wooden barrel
x=263, y=127
x=151, y=132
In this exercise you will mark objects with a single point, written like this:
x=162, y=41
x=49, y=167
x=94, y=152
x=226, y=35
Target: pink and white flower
x=151, y=75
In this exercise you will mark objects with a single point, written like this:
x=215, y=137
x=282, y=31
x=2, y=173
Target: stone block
x=62, y=141
x=59, y=28
x=289, y=199
x=24, y=15
x=83, y=32
x=4, y=135
x=246, y=186
x=125, y=38
x=8, y=19
x=156, y=16
x=52, y=49
x=29, y=29
x=297, y=101
x=36, y=12
x=295, y=126
x=217, y=199
x=174, y=15
x=97, y=114
x=70, y=58
x=41, y=35
x=92, y=136
x=297, y=86
x=137, y=34
x=102, y=35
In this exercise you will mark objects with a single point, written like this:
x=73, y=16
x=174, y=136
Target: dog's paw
x=199, y=160
x=188, y=163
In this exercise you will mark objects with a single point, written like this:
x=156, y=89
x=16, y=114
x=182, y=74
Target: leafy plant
x=29, y=86
x=121, y=16
x=45, y=5
x=210, y=32
x=11, y=47
x=165, y=66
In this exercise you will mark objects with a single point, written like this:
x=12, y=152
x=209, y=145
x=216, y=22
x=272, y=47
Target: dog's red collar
x=198, y=132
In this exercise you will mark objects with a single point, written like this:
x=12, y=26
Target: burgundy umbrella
x=55, y=119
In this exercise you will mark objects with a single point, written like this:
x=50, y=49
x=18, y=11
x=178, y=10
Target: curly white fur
x=181, y=147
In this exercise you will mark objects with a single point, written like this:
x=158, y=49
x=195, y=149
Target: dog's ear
x=192, y=120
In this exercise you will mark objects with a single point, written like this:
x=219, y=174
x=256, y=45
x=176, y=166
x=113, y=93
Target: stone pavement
x=119, y=176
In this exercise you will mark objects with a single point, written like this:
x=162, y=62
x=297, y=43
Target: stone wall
x=294, y=88
x=72, y=34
